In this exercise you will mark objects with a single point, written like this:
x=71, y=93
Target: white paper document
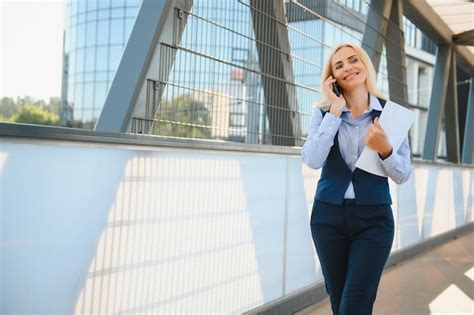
x=396, y=121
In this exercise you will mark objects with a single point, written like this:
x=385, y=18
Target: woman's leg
x=372, y=236
x=327, y=228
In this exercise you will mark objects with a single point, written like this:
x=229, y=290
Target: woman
x=351, y=221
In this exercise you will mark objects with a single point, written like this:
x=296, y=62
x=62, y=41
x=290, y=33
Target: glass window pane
x=73, y=20
x=89, y=94
x=115, y=55
x=74, y=7
x=104, y=3
x=89, y=77
x=134, y=2
x=91, y=16
x=82, y=6
x=80, y=35
x=90, y=59
x=92, y=5
x=102, y=58
x=365, y=8
x=116, y=31
x=101, y=76
x=72, y=62
x=81, y=18
x=79, y=77
x=91, y=33
x=80, y=61
x=103, y=33
x=132, y=12
x=72, y=33
x=117, y=3
x=104, y=15
x=117, y=13
x=357, y=5
x=100, y=94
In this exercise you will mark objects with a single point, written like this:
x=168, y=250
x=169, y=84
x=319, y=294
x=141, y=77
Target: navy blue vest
x=335, y=177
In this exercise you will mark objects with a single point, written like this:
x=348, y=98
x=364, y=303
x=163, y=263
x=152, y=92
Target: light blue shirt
x=351, y=138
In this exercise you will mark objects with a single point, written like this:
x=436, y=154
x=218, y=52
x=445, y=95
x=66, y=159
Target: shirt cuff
x=330, y=124
x=391, y=162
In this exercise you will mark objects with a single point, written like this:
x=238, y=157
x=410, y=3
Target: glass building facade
x=95, y=34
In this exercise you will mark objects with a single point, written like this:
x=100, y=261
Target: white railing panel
x=121, y=228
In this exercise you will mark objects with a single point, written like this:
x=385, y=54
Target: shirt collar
x=374, y=104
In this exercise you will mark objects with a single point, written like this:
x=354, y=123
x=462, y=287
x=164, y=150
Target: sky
x=31, y=46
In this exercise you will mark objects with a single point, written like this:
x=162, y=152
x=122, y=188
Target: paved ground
x=440, y=282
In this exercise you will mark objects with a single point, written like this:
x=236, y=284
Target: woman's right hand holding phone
x=337, y=102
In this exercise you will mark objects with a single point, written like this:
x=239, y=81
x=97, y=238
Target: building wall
x=95, y=36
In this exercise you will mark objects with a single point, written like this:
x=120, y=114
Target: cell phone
x=336, y=88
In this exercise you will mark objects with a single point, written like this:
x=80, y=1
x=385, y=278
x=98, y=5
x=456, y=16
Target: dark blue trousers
x=353, y=244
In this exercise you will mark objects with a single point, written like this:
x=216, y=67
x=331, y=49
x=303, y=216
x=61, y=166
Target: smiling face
x=348, y=68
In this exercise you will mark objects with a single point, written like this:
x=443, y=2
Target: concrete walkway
x=440, y=281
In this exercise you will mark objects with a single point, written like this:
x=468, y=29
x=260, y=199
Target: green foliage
x=30, y=111
x=7, y=107
x=183, y=117
x=54, y=105
x=31, y=114
x=4, y=119
x=90, y=124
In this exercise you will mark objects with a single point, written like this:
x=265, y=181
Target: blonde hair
x=371, y=81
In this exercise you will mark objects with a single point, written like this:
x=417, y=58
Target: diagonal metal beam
x=464, y=38
x=437, y=100
x=268, y=17
x=335, y=11
x=451, y=114
x=395, y=50
x=376, y=29
x=468, y=143
x=126, y=98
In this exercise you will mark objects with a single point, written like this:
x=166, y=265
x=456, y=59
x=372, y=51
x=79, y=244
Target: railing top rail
x=38, y=132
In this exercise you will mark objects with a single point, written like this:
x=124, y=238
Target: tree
x=183, y=117
x=54, y=105
x=32, y=114
x=5, y=119
x=7, y=107
x=29, y=110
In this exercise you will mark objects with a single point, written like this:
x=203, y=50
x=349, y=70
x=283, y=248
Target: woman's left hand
x=378, y=140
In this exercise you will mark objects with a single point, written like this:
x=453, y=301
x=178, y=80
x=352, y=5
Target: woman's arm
x=398, y=165
x=320, y=138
